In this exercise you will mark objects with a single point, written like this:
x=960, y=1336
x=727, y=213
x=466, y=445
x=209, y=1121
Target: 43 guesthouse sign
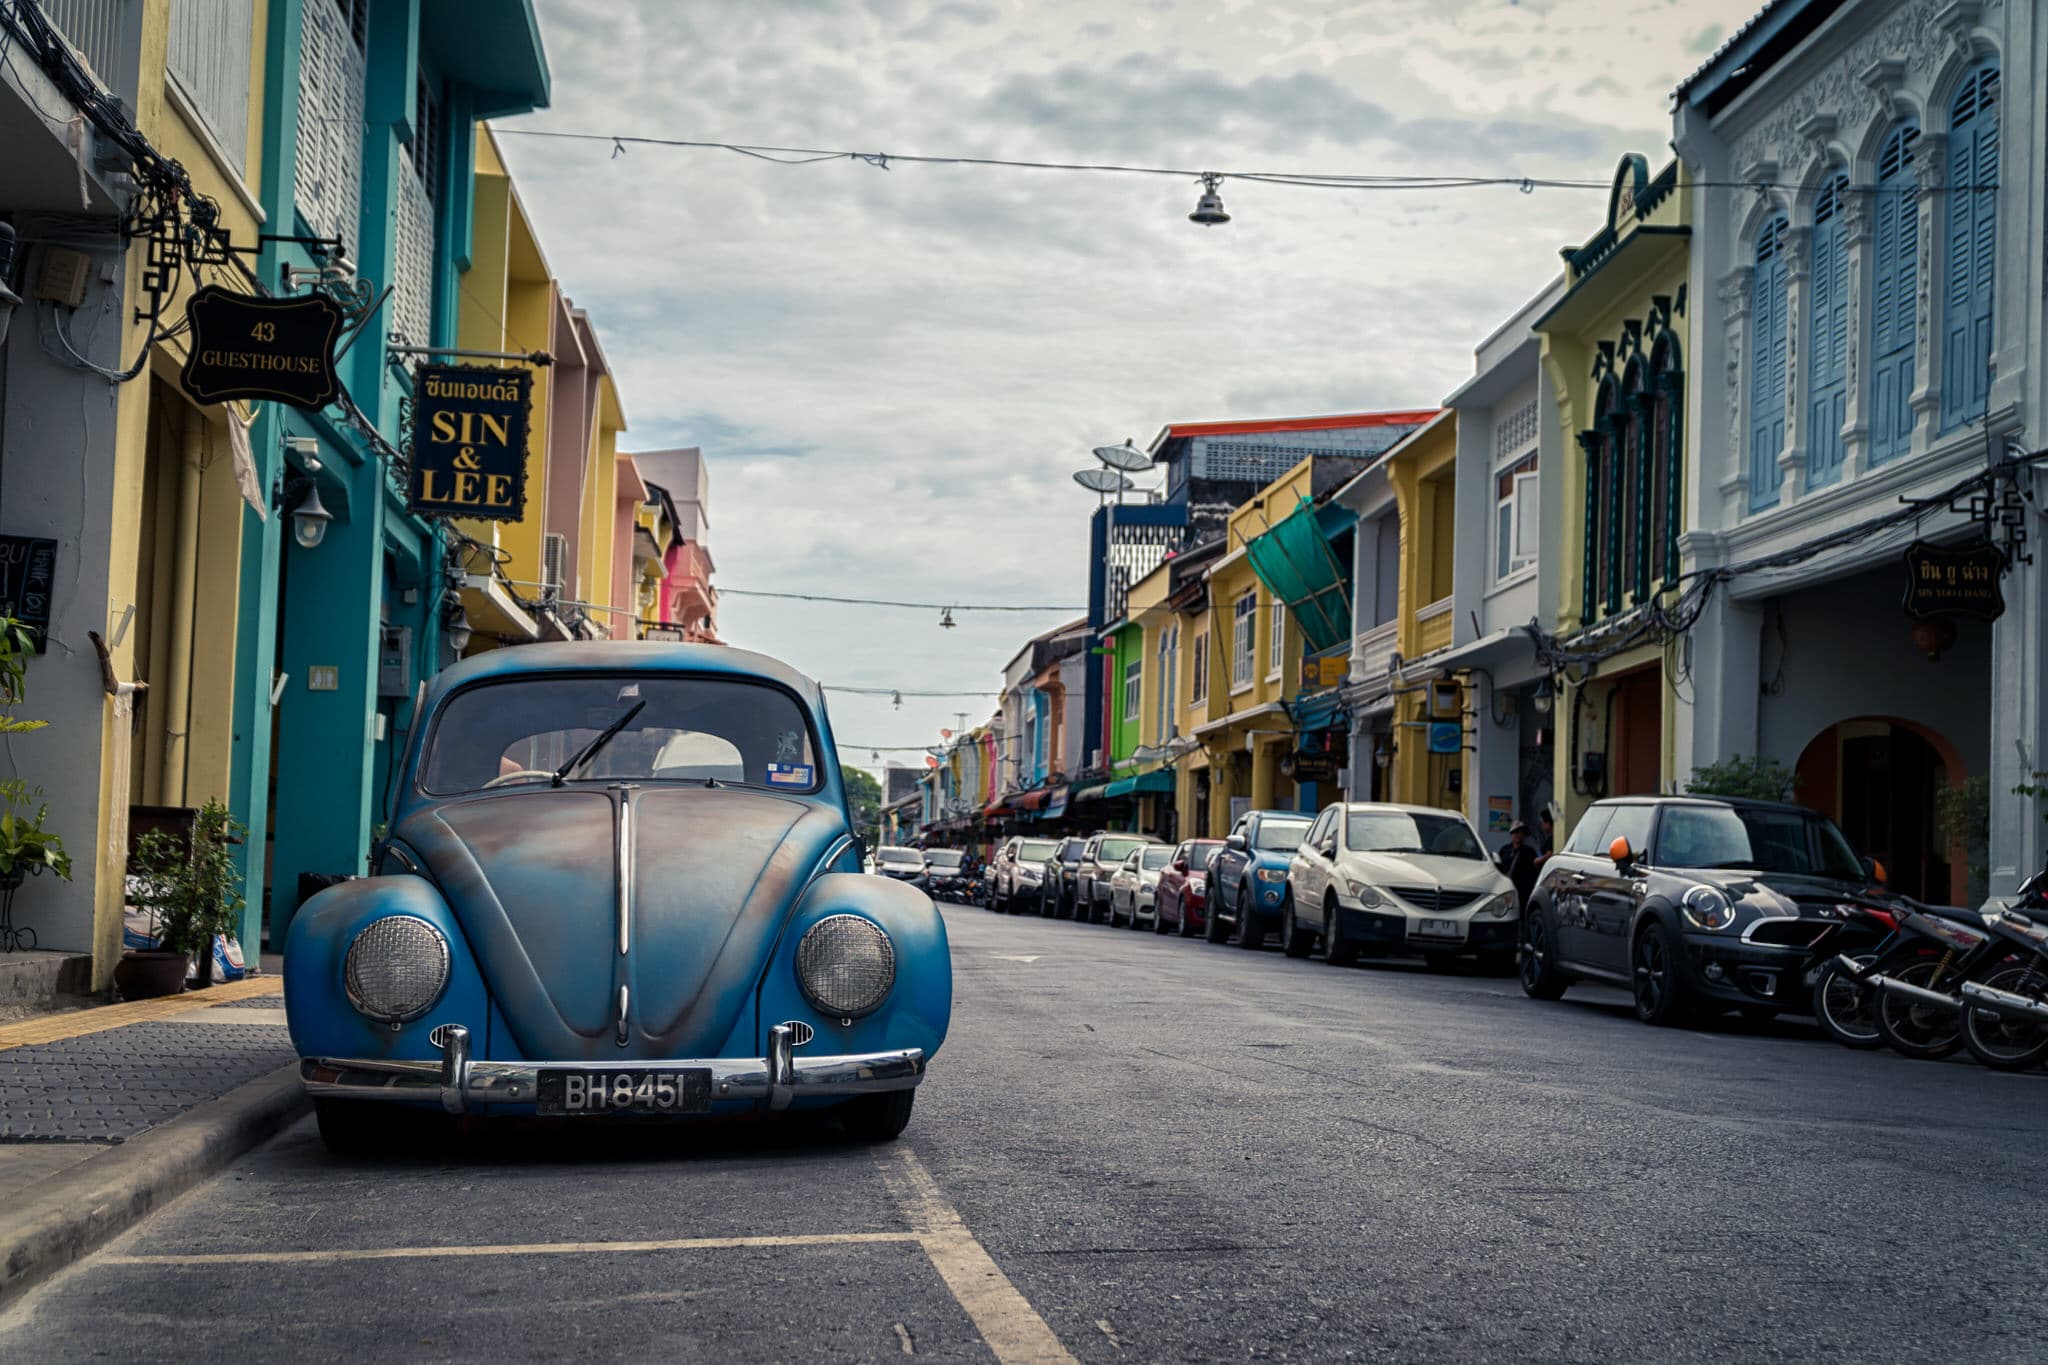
x=243, y=346
x=468, y=446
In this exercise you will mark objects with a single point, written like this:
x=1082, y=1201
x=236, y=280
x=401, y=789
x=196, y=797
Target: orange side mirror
x=1877, y=871
x=1619, y=850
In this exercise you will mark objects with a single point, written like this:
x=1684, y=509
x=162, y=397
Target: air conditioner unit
x=554, y=564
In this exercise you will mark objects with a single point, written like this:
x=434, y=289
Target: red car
x=1182, y=900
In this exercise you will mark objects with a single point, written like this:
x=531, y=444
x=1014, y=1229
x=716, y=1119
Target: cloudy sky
x=894, y=372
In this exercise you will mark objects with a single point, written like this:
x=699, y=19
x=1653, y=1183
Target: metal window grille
x=209, y=56
x=554, y=563
x=1516, y=430
x=355, y=16
x=329, y=184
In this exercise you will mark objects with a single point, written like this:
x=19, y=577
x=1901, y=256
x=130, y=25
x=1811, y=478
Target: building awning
x=1032, y=800
x=1319, y=710
x=1056, y=805
x=1294, y=561
x=1095, y=791
x=494, y=611
x=994, y=809
x=1144, y=784
x=1271, y=708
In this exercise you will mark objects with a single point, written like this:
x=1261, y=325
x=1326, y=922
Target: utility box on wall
x=394, y=656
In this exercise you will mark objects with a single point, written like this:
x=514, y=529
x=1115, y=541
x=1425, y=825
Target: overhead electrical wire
x=724, y=591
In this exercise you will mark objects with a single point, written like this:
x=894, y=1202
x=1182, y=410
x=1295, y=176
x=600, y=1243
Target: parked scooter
x=2006, y=1022
x=1918, y=974
x=1843, y=1006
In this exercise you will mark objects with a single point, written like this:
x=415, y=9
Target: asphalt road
x=1139, y=1149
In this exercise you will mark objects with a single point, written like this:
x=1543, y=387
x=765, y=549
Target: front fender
x=919, y=1007
x=323, y=1022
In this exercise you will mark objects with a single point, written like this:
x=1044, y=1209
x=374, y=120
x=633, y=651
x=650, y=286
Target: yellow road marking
x=516, y=1249
x=1015, y=1334
x=78, y=1023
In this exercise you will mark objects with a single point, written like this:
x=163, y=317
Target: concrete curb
x=100, y=1198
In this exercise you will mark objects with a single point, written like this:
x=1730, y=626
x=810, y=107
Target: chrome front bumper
x=461, y=1083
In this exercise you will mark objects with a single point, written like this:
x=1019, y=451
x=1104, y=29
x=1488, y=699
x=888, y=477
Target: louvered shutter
x=1895, y=285
x=1971, y=239
x=1827, y=350
x=1767, y=365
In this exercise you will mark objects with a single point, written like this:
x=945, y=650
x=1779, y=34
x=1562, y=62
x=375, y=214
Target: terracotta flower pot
x=147, y=975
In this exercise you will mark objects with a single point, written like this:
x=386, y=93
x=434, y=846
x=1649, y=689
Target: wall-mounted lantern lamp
x=299, y=495
x=1544, y=697
x=455, y=623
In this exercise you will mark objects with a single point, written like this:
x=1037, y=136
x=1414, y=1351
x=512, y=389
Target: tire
x=1158, y=918
x=1660, y=994
x=877, y=1118
x=1184, y=927
x=2009, y=1044
x=351, y=1127
x=1248, y=934
x=1845, y=1008
x=1139, y=926
x=1918, y=1031
x=1295, y=941
x=1338, y=950
x=1498, y=962
x=1541, y=980
x=1212, y=925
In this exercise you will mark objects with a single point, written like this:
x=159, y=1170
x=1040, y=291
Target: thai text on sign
x=1954, y=580
x=468, y=447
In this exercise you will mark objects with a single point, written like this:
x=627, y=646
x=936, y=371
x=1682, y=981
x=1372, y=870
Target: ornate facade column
x=1798, y=303
x=1737, y=293
x=1930, y=158
x=1856, y=414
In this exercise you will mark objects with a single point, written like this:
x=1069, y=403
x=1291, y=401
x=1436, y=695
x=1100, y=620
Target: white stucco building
x=1866, y=282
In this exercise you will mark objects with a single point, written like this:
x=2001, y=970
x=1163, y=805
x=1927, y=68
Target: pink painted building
x=688, y=602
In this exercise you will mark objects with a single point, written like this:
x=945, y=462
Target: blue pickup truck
x=1248, y=877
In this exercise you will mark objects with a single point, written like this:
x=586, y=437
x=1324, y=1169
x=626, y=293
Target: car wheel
x=1659, y=990
x=1250, y=933
x=1338, y=950
x=1541, y=980
x=1212, y=927
x=1295, y=941
x=1116, y=916
x=1498, y=962
x=2009, y=1044
x=877, y=1118
x=351, y=1127
x=1845, y=1008
x=1185, y=925
x=1926, y=1032
x=1158, y=918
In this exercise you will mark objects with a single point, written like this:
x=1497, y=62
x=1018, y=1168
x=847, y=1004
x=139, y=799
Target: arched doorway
x=1877, y=777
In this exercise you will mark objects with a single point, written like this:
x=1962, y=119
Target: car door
x=1229, y=865
x=1567, y=884
x=1611, y=890
x=1309, y=870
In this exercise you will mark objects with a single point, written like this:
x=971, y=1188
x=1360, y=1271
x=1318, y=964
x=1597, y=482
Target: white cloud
x=893, y=372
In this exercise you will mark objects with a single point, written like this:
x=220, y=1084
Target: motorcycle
x=1844, y=1006
x=2005, y=1022
x=1917, y=975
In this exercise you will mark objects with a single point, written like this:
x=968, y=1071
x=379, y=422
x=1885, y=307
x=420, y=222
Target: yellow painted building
x=1422, y=470
x=1613, y=351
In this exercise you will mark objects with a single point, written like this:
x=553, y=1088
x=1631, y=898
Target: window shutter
x=1894, y=284
x=1767, y=364
x=1528, y=530
x=1827, y=351
x=1971, y=235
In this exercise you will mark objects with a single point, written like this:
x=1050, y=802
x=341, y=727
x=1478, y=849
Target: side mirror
x=1622, y=854
x=1180, y=864
x=1236, y=843
x=1874, y=870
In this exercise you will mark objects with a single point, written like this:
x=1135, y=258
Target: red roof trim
x=1182, y=430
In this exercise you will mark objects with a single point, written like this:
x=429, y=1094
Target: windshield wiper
x=589, y=751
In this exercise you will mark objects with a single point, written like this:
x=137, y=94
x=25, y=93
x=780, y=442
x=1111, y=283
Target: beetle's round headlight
x=1707, y=907
x=846, y=965
x=396, y=968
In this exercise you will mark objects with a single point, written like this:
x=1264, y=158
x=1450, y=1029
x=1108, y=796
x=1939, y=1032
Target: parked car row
x=1695, y=905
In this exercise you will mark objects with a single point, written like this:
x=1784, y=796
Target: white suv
x=1398, y=877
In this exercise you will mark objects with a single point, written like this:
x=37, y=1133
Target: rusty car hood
x=534, y=877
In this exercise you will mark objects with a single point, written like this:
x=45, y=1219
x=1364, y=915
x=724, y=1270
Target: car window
x=1116, y=850
x=1154, y=856
x=1631, y=823
x=1071, y=850
x=1765, y=840
x=677, y=728
x=1586, y=838
x=1317, y=831
x=899, y=857
x=1280, y=836
x=1400, y=831
x=1199, y=856
x=1036, y=850
x=945, y=859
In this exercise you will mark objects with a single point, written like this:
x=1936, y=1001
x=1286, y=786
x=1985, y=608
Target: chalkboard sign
x=28, y=576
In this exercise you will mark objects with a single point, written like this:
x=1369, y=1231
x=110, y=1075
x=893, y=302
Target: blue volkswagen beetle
x=620, y=879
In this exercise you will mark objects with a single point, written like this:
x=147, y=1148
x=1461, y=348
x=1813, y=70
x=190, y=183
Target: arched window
x=1631, y=449
x=1894, y=295
x=1662, y=427
x=1601, y=444
x=1827, y=347
x=1969, y=244
x=1767, y=364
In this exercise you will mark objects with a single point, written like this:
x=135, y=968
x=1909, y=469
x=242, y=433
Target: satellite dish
x=1126, y=457
x=1102, y=480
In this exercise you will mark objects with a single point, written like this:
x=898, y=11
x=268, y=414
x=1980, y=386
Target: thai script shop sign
x=243, y=346
x=1954, y=581
x=468, y=441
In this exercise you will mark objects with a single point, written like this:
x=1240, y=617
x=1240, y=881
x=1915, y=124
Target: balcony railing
x=1370, y=656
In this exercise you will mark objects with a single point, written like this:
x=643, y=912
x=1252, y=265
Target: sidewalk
x=106, y=1113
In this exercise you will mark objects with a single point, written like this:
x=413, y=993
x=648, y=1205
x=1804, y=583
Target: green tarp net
x=1294, y=561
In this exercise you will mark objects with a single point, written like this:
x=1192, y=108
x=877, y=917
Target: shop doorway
x=1636, y=710
x=1878, y=779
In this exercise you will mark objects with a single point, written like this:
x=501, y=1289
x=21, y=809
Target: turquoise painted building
x=369, y=119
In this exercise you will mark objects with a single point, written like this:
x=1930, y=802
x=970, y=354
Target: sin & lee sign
x=468, y=447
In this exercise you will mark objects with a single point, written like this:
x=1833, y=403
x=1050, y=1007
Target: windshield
x=945, y=859
x=1115, y=850
x=900, y=857
x=1280, y=836
x=1035, y=850
x=1156, y=858
x=1799, y=842
x=1400, y=831
x=1071, y=850
x=1199, y=856
x=721, y=731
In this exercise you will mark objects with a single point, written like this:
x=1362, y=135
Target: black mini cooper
x=1697, y=902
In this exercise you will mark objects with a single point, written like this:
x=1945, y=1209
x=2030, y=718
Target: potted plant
x=26, y=848
x=191, y=887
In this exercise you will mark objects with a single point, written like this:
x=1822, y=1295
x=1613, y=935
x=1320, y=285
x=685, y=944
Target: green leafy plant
x=193, y=888
x=17, y=647
x=1962, y=817
x=2035, y=789
x=25, y=846
x=1760, y=778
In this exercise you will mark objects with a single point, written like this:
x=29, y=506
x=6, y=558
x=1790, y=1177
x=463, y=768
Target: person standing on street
x=1517, y=862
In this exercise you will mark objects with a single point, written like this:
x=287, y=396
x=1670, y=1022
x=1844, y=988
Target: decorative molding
x=1956, y=20
x=1885, y=77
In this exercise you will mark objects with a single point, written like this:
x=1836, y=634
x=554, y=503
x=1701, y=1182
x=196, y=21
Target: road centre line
x=1010, y=1326
x=513, y=1249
